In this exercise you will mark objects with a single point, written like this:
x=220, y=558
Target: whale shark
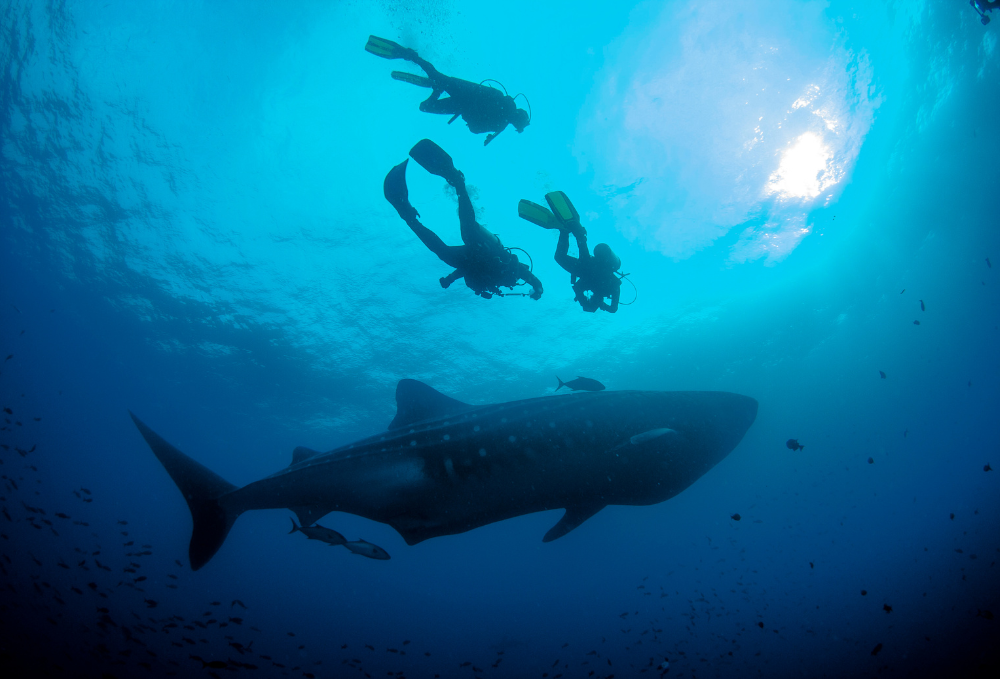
x=445, y=467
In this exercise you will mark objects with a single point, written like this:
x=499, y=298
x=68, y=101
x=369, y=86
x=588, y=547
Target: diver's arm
x=613, y=307
x=451, y=278
x=491, y=137
x=532, y=280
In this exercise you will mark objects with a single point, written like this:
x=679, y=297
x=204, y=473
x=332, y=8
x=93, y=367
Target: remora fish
x=365, y=548
x=321, y=533
x=446, y=467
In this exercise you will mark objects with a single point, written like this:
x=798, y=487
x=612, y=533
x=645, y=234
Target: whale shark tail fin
x=561, y=384
x=202, y=488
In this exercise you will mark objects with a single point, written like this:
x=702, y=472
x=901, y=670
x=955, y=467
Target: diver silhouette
x=483, y=261
x=982, y=7
x=593, y=274
x=484, y=108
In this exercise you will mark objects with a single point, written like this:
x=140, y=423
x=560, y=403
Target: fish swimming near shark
x=365, y=548
x=581, y=384
x=445, y=467
x=321, y=533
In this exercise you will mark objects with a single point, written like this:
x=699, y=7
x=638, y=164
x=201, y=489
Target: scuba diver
x=484, y=108
x=594, y=274
x=483, y=261
x=982, y=7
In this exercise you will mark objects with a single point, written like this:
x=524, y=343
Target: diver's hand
x=536, y=293
x=444, y=282
x=489, y=138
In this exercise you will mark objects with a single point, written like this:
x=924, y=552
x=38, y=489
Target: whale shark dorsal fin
x=415, y=401
x=573, y=517
x=302, y=453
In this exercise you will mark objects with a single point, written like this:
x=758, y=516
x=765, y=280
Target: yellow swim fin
x=536, y=214
x=418, y=80
x=387, y=49
x=562, y=207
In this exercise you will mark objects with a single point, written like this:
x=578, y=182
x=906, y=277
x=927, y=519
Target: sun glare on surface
x=802, y=169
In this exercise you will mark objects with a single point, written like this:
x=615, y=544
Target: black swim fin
x=387, y=49
x=394, y=188
x=436, y=160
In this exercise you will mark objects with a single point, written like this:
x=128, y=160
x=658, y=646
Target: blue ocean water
x=193, y=228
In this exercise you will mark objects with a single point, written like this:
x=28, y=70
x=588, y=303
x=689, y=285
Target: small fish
x=581, y=384
x=987, y=467
x=8, y=410
x=922, y=307
x=953, y=516
x=761, y=625
x=988, y=263
x=317, y=532
x=793, y=444
x=214, y=664
x=150, y=603
x=123, y=523
x=237, y=602
x=984, y=614
x=215, y=603
x=887, y=608
x=864, y=592
x=811, y=565
x=735, y=517
x=871, y=460
x=365, y=548
x=916, y=322
x=9, y=356
x=881, y=374
x=902, y=291
x=878, y=647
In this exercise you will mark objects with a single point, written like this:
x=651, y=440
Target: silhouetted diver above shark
x=446, y=467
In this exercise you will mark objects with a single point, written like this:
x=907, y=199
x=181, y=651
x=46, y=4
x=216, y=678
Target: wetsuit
x=482, y=261
x=587, y=275
x=484, y=109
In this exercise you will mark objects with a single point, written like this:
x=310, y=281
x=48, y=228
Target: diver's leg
x=452, y=255
x=451, y=278
x=473, y=232
x=432, y=72
x=562, y=253
x=581, y=242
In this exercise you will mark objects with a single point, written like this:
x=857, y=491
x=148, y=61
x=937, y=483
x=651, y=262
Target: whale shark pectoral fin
x=573, y=517
x=311, y=514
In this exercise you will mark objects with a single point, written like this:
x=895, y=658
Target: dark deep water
x=193, y=228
